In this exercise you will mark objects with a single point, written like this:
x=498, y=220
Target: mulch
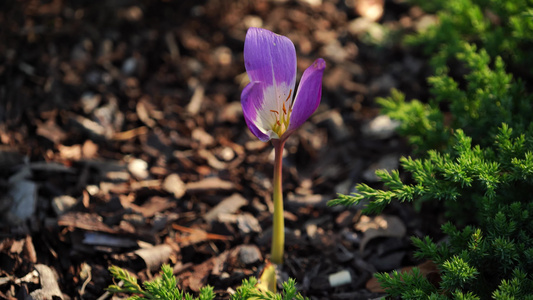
x=122, y=142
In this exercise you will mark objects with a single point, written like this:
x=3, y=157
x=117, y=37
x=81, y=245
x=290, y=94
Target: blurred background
x=121, y=128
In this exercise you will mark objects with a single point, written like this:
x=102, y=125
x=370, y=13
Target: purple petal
x=251, y=99
x=308, y=96
x=270, y=58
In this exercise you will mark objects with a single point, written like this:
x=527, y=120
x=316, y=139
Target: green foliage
x=473, y=151
x=491, y=97
x=422, y=124
x=248, y=290
x=501, y=27
x=165, y=287
x=486, y=186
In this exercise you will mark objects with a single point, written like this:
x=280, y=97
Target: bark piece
x=49, y=287
x=155, y=256
x=84, y=221
x=379, y=226
x=101, y=239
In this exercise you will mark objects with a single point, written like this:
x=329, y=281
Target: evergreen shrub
x=473, y=151
x=165, y=287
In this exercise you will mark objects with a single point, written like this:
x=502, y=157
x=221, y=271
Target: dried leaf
x=196, y=236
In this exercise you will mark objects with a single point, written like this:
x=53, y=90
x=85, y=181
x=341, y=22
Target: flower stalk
x=278, y=231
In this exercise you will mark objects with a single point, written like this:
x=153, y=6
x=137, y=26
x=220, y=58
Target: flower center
x=282, y=117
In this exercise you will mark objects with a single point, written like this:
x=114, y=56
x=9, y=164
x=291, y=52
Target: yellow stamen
x=282, y=119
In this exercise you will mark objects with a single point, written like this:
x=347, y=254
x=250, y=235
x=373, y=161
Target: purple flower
x=270, y=108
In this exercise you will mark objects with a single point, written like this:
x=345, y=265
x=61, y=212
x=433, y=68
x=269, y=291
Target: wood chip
x=209, y=184
x=229, y=205
x=196, y=100
x=154, y=205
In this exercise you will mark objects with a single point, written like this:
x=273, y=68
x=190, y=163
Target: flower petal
x=251, y=99
x=308, y=96
x=269, y=58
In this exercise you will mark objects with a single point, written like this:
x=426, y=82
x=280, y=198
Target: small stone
x=24, y=195
x=223, y=55
x=174, y=185
x=249, y=255
x=312, y=2
x=381, y=127
x=92, y=189
x=311, y=230
x=129, y=66
x=227, y=154
x=253, y=21
x=138, y=168
x=340, y=278
x=370, y=9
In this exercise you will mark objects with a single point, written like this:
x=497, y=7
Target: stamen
x=274, y=111
x=288, y=97
x=290, y=106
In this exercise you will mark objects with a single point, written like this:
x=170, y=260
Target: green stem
x=278, y=231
